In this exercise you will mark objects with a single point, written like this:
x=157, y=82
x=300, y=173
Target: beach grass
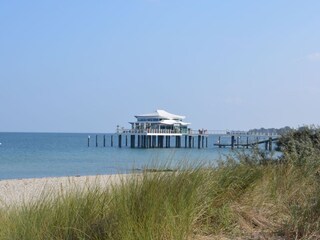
x=249, y=196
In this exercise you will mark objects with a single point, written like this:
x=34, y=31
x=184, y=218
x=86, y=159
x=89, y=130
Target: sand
x=19, y=191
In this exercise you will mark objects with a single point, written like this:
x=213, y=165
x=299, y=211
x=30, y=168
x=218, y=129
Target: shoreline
x=15, y=192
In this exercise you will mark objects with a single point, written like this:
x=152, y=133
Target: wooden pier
x=162, y=129
x=163, y=139
x=235, y=142
x=191, y=139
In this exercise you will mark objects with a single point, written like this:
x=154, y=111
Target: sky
x=88, y=66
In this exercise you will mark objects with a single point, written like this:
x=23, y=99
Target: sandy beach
x=18, y=191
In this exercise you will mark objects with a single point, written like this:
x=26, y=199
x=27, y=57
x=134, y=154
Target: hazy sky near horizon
x=87, y=66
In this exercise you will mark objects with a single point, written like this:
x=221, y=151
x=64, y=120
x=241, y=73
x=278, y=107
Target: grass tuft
x=249, y=196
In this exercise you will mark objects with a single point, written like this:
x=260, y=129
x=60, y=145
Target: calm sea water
x=30, y=155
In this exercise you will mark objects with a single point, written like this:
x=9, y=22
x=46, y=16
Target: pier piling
x=119, y=140
x=139, y=141
x=149, y=142
x=145, y=141
x=132, y=141
x=270, y=144
x=178, y=142
x=232, y=142
x=96, y=140
x=160, y=141
x=154, y=141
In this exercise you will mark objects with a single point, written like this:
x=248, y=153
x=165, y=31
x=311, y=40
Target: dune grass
x=247, y=197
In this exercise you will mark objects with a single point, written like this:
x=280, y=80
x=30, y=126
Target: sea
x=37, y=155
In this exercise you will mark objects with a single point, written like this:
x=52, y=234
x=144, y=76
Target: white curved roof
x=161, y=114
x=172, y=122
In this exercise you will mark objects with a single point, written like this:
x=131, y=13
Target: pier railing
x=195, y=132
x=144, y=131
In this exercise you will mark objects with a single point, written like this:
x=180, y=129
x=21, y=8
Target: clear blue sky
x=86, y=66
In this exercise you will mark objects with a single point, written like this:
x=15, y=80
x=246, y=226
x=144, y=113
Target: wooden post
x=202, y=140
x=193, y=142
x=190, y=141
x=154, y=141
x=219, y=141
x=247, y=142
x=111, y=140
x=266, y=145
x=232, y=142
x=126, y=140
x=270, y=144
x=96, y=140
x=160, y=141
x=132, y=141
x=149, y=142
x=88, y=140
x=139, y=141
x=144, y=137
x=199, y=141
x=119, y=140
x=206, y=142
x=185, y=141
x=142, y=141
x=104, y=140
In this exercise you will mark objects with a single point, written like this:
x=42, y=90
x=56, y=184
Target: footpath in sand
x=19, y=191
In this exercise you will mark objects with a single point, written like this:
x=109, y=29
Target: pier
x=161, y=129
x=192, y=139
x=163, y=139
x=234, y=142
